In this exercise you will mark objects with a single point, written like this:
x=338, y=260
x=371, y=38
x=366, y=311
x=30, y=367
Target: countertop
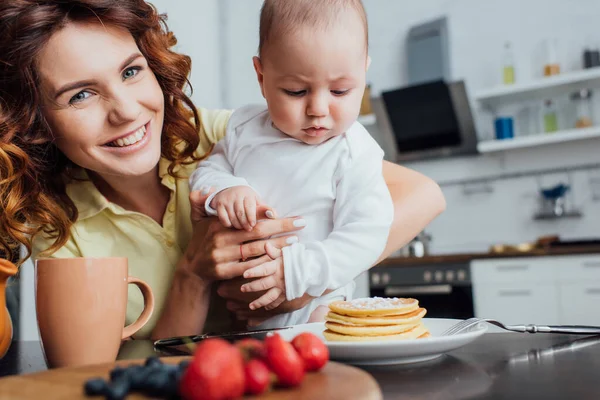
x=467, y=257
x=496, y=366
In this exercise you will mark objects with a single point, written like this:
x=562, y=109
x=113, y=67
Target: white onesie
x=336, y=186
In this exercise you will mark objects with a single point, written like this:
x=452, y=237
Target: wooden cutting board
x=335, y=381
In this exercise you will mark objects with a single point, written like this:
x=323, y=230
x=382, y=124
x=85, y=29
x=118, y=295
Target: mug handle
x=131, y=329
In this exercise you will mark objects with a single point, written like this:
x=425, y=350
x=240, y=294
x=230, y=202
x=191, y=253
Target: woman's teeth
x=131, y=139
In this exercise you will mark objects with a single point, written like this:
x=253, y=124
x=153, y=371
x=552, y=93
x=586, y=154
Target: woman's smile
x=132, y=141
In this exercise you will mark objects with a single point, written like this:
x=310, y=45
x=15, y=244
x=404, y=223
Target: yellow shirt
x=105, y=229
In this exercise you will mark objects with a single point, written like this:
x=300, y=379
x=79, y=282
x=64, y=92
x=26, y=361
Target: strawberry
x=258, y=377
x=216, y=372
x=312, y=350
x=284, y=360
x=251, y=348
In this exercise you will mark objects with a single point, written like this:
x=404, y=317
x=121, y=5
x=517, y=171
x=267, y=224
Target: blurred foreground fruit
x=284, y=360
x=258, y=377
x=312, y=350
x=251, y=348
x=216, y=372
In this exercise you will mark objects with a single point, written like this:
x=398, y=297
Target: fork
x=576, y=329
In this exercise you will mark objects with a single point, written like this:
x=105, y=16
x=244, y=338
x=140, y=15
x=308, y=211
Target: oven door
x=441, y=301
x=444, y=298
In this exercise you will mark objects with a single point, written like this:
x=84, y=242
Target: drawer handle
x=417, y=290
x=508, y=268
x=592, y=291
x=591, y=264
x=512, y=293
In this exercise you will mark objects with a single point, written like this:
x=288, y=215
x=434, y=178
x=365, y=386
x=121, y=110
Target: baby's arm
x=363, y=214
x=233, y=201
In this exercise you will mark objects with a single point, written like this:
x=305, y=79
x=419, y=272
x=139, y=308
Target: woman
x=97, y=140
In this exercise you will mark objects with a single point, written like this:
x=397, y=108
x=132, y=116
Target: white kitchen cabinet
x=512, y=270
x=580, y=303
x=538, y=290
x=578, y=269
x=517, y=303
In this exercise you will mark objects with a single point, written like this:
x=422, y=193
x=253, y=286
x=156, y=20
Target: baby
x=305, y=155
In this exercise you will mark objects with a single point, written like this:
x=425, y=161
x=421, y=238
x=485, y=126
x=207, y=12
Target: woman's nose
x=123, y=108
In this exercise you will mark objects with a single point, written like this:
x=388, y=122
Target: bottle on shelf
x=591, y=54
x=550, y=117
x=552, y=65
x=583, y=108
x=508, y=67
x=365, y=104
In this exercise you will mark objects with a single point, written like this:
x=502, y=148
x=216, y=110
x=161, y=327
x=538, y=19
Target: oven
x=443, y=289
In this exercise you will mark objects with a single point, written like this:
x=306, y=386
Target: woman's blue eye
x=79, y=97
x=131, y=72
x=296, y=93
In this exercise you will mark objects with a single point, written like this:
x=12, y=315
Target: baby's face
x=314, y=81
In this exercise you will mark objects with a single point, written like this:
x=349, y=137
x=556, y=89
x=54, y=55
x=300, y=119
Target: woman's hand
x=219, y=253
x=238, y=302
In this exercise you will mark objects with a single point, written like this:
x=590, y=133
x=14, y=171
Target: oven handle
x=417, y=290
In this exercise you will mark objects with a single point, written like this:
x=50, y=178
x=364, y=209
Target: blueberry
x=119, y=388
x=153, y=361
x=184, y=364
x=116, y=373
x=171, y=388
x=159, y=379
x=171, y=369
x=137, y=375
x=96, y=387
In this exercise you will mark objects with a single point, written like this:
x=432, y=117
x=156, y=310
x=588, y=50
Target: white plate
x=395, y=351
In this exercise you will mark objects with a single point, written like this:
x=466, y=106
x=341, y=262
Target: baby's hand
x=237, y=207
x=272, y=279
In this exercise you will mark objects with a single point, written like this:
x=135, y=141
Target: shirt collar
x=89, y=201
x=87, y=198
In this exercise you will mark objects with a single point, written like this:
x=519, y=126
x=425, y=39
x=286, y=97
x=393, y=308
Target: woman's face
x=103, y=104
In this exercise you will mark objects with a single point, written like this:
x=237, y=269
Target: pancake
x=374, y=306
x=418, y=331
x=369, y=330
x=409, y=318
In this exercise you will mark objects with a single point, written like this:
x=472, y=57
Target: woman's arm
x=186, y=307
x=417, y=201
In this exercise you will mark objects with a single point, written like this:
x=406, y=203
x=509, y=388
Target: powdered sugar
x=379, y=303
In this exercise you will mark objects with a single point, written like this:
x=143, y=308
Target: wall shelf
x=542, y=88
x=539, y=139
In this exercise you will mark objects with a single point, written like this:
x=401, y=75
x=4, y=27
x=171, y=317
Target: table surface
x=497, y=365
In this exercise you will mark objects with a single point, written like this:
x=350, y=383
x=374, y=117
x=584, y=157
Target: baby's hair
x=282, y=17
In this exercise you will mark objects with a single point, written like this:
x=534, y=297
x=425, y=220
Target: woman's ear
x=368, y=62
x=259, y=73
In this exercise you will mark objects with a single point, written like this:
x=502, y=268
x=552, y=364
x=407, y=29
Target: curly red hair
x=33, y=172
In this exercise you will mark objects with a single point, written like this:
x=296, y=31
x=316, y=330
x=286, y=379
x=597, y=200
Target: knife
x=181, y=340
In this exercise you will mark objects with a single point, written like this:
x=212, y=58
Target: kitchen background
x=222, y=36
x=493, y=194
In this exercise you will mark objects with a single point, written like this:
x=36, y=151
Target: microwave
x=430, y=120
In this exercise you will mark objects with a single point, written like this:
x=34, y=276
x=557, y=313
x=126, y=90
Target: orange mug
x=81, y=305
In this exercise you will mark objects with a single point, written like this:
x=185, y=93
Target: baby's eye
x=295, y=93
x=340, y=92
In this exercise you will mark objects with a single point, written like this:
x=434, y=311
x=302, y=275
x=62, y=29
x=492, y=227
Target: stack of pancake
x=375, y=318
